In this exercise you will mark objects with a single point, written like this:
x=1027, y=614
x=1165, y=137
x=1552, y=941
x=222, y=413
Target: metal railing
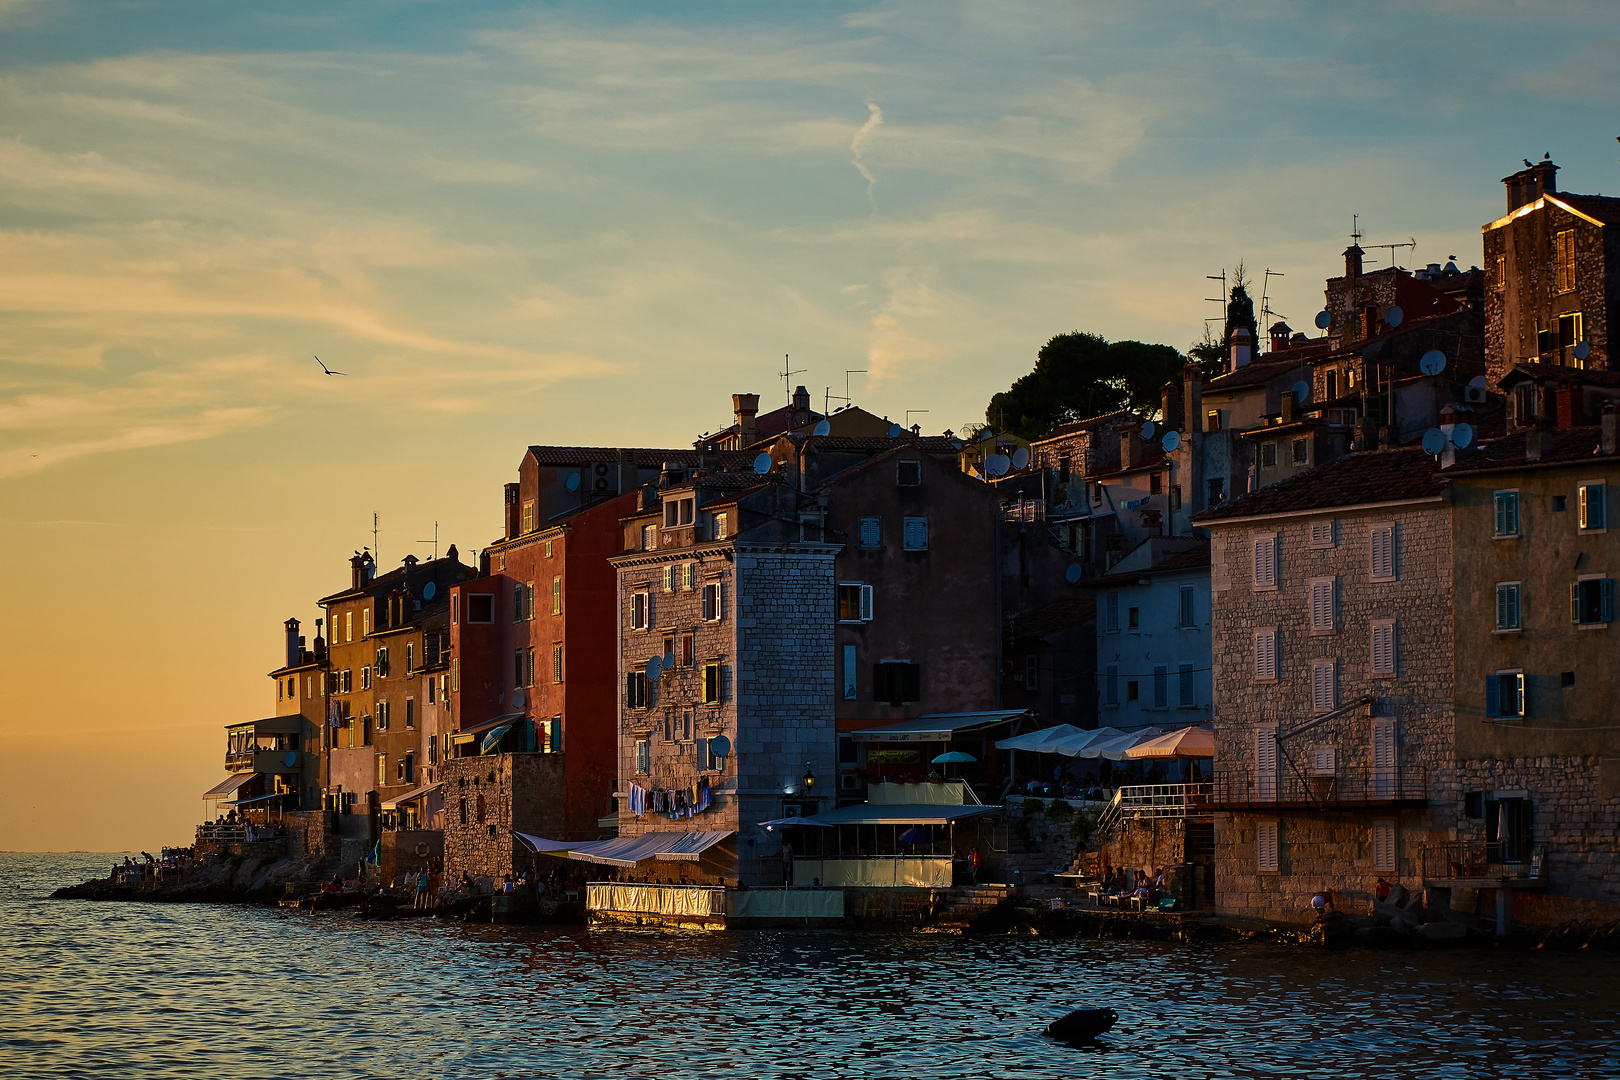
x=1165, y=800
x=636, y=898
x=1367, y=786
x=1028, y=511
x=1461, y=859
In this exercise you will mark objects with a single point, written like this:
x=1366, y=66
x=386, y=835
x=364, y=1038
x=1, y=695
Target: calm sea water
x=158, y=991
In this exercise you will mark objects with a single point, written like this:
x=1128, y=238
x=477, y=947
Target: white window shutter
x=1383, y=648
x=1383, y=845
x=1265, y=654
x=1322, y=604
x=866, y=603
x=1265, y=847
x=1265, y=562
x=1265, y=763
x=1383, y=758
x=1322, y=686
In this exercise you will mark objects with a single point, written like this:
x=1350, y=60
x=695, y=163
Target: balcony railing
x=241, y=761
x=1461, y=860
x=1347, y=789
x=1027, y=511
x=1165, y=800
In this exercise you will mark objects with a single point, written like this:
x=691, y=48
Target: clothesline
x=676, y=803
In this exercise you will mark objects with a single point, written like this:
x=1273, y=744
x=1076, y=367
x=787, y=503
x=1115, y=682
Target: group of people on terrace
x=1120, y=883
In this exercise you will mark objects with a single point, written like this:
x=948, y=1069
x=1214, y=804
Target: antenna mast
x=376, y=552
x=1265, y=301
x=1221, y=299
x=434, y=541
x=787, y=375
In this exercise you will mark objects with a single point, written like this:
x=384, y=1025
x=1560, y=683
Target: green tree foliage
x=1081, y=375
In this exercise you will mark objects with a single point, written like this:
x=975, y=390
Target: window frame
x=1505, y=503
x=1186, y=606
x=1583, y=506
x=1520, y=687
x=1603, y=601
x=1267, y=847
x=909, y=526
x=713, y=683
x=1389, y=628
x=1515, y=589
x=874, y=526
x=1265, y=655
x=1381, y=561
x=1324, y=687
x=904, y=465
x=640, y=609
x=485, y=598
x=862, y=602
x=1323, y=609
x=1264, y=582
x=713, y=601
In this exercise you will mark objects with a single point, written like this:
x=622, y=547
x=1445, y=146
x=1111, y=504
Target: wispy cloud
x=874, y=120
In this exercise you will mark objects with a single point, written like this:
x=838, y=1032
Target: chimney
x=801, y=407
x=294, y=649
x=451, y=553
x=1130, y=448
x=1352, y=261
x=1242, y=346
x=1170, y=405
x=357, y=570
x=1280, y=335
x=1608, y=444
x=1288, y=408
x=628, y=476
x=1193, y=397
x=1535, y=443
x=746, y=408
x=514, y=512
x=320, y=642
x=1366, y=434
x=1531, y=182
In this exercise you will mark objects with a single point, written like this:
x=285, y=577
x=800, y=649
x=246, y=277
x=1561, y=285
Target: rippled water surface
x=155, y=991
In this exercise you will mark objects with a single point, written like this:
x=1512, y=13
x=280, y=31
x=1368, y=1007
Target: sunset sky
x=593, y=223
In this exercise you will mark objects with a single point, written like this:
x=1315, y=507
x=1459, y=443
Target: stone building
x=488, y=801
x=1537, y=751
x=1553, y=267
x=726, y=609
x=301, y=690
x=1332, y=667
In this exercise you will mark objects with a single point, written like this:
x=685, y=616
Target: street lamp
x=809, y=779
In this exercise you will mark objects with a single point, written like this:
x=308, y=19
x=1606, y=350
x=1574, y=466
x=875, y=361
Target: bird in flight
x=328, y=370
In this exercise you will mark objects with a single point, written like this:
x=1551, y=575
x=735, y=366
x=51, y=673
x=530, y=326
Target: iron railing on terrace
x=1165, y=800
x=1348, y=788
x=1480, y=859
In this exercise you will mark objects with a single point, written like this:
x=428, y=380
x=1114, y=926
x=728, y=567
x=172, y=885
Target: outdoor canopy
x=411, y=796
x=628, y=851
x=899, y=814
x=936, y=727
x=1037, y=741
x=1190, y=742
x=468, y=734
x=228, y=785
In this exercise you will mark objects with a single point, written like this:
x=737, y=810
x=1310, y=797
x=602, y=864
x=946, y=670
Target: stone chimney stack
x=746, y=408
x=1130, y=448
x=1193, y=398
x=514, y=512
x=1531, y=182
x=295, y=648
x=801, y=407
x=1535, y=443
x=357, y=570
x=1242, y=348
x=1170, y=406
x=1280, y=333
x=1352, y=261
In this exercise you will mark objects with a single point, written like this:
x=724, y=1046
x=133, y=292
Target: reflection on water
x=177, y=991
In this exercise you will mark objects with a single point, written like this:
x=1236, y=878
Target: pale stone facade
x=1320, y=842
x=489, y=799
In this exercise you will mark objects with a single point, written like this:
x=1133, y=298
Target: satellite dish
x=428, y=590
x=1477, y=382
x=720, y=746
x=1171, y=440
x=895, y=431
x=1583, y=349
x=1072, y=574
x=291, y=759
x=1433, y=362
x=517, y=699
x=1302, y=392
x=572, y=483
x=1323, y=320
x=1020, y=458
x=655, y=668
x=1462, y=436
x=1434, y=441
x=1147, y=429
x=823, y=428
x=669, y=661
x=762, y=464
x=1393, y=317
x=996, y=464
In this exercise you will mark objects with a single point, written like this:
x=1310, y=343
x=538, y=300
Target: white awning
x=898, y=814
x=412, y=796
x=262, y=798
x=1114, y=748
x=540, y=843
x=629, y=851
x=1035, y=740
x=477, y=731
x=228, y=785
x=936, y=727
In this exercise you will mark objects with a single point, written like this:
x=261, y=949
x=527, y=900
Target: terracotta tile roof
x=1373, y=476
x=1071, y=611
x=1604, y=208
x=1535, y=372
x=644, y=457
x=1087, y=424
x=1191, y=559
x=932, y=444
x=1557, y=445
x=1261, y=371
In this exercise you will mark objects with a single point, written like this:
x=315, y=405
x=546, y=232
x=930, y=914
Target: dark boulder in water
x=1082, y=1025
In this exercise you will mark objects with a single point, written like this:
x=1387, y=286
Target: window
x=382, y=770
x=1111, y=686
x=854, y=602
x=643, y=757
x=1330, y=382
x=1383, y=846
x=1217, y=490
x=348, y=626
x=432, y=691
x=1383, y=647
x=481, y=608
x=1301, y=452
x=649, y=538
x=719, y=526
x=871, y=533
x=1133, y=690
x=1265, y=847
x=1184, y=686
x=1133, y=618
x=1111, y=613
x=365, y=620
x=410, y=657
x=713, y=606
x=1323, y=690
x=1564, y=257
x=346, y=681
x=711, y=684
x=686, y=723
x=908, y=473
x=1064, y=459
x=517, y=601
x=549, y=548
x=1265, y=562
x=1175, y=496
x=1560, y=503
x=897, y=682
x=851, y=691
x=1383, y=758
x=1265, y=655
x=410, y=714
x=1324, y=761
x=517, y=667
x=1321, y=534
x=704, y=759
x=1265, y=762
x=1161, y=686
x=381, y=665
x=637, y=690
x=678, y=512
x=671, y=582
x=1382, y=552
x=1505, y=694
x=554, y=742
x=688, y=654
x=689, y=577
x=1155, y=483
x=1500, y=282
x=1509, y=615
x=455, y=674
x=640, y=611
x=1506, y=506
x=1268, y=455
x=382, y=716
x=528, y=517
x=1031, y=672
x=1570, y=332
x=916, y=534
x=556, y=596
x=1185, y=615
x=1322, y=605
x=1213, y=420
x=365, y=677
x=1591, y=601
x=1589, y=502
x=557, y=663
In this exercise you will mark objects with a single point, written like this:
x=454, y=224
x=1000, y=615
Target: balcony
x=277, y=761
x=1480, y=864
x=1349, y=789
x=1165, y=800
x=242, y=761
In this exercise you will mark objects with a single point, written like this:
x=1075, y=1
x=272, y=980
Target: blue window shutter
x=1492, y=683
x=1606, y=600
x=1501, y=607
x=1575, y=602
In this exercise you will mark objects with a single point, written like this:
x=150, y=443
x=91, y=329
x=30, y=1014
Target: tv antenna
x=434, y=541
x=1266, y=314
x=908, y=416
x=1411, y=242
x=1221, y=299
x=846, y=399
x=787, y=375
x=376, y=552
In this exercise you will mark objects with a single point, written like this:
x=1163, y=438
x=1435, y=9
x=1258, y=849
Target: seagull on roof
x=1529, y=164
x=328, y=370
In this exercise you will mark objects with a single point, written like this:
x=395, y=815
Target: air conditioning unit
x=602, y=478
x=849, y=782
x=1474, y=395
